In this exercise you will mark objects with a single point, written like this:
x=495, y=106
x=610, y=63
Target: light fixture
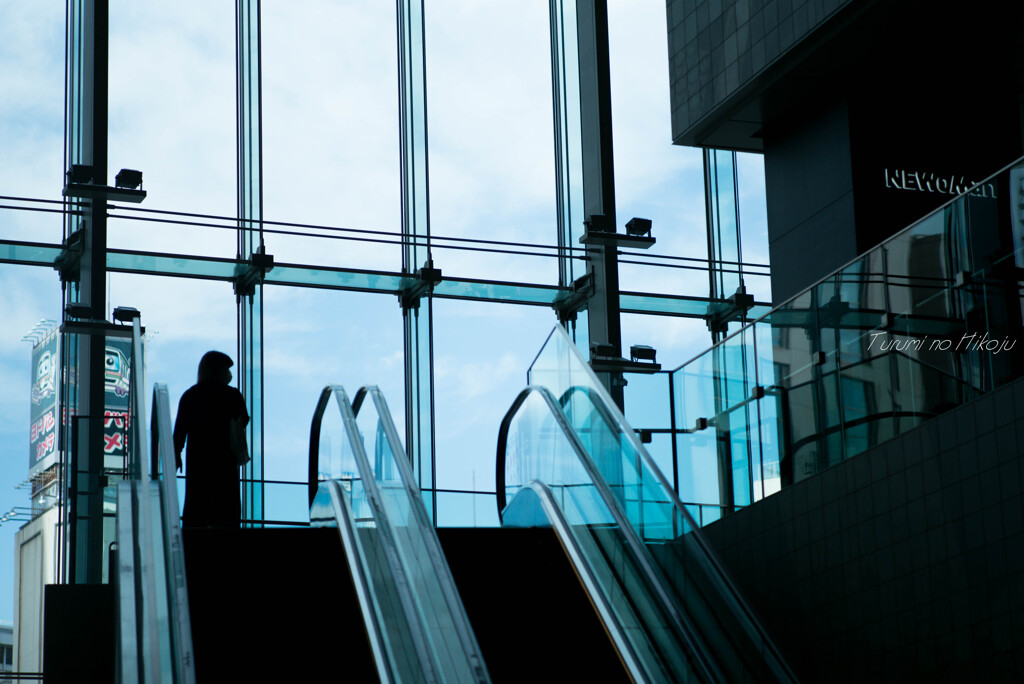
x=126, y=314
x=78, y=310
x=128, y=179
x=598, y=223
x=642, y=352
x=639, y=227
x=80, y=173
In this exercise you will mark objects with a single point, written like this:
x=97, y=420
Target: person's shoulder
x=190, y=392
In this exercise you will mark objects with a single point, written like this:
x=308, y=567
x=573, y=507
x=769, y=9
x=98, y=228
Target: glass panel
x=916, y=326
x=481, y=353
x=461, y=509
x=499, y=187
x=335, y=143
x=508, y=292
x=653, y=180
x=540, y=449
x=32, y=120
x=187, y=161
x=158, y=264
x=754, y=233
x=622, y=473
x=307, y=347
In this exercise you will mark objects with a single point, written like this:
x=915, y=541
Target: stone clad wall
x=717, y=46
x=905, y=563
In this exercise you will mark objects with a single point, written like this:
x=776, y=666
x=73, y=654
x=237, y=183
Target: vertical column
x=723, y=224
x=86, y=145
x=419, y=353
x=565, y=86
x=721, y=203
x=599, y=183
x=250, y=242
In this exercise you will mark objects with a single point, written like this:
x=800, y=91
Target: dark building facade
x=902, y=563
x=869, y=114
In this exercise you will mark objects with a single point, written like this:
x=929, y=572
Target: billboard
x=46, y=387
x=116, y=414
x=42, y=450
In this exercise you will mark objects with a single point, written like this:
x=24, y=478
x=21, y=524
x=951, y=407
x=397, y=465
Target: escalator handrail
x=151, y=561
x=634, y=545
x=343, y=520
x=715, y=572
x=375, y=499
x=165, y=467
x=714, y=569
x=585, y=572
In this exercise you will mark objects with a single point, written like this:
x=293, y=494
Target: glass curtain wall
x=324, y=184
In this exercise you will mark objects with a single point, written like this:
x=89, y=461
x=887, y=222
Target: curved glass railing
x=154, y=630
x=416, y=623
x=729, y=636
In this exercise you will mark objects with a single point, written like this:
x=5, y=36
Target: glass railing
x=727, y=635
x=920, y=324
x=415, y=620
x=153, y=625
x=568, y=494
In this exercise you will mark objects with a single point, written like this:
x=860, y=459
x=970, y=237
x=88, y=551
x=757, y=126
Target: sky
x=331, y=157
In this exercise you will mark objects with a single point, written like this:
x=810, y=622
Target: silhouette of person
x=205, y=413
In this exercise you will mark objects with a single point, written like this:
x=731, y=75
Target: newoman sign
x=927, y=181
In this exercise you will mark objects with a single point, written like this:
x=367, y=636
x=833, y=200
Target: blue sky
x=331, y=157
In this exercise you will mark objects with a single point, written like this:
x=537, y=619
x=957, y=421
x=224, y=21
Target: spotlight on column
x=642, y=352
x=126, y=314
x=128, y=179
x=639, y=227
x=598, y=223
x=80, y=173
x=78, y=310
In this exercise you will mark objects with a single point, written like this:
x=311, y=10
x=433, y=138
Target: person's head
x=215, y=366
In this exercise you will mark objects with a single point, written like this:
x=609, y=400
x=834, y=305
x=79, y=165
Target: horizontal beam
x=356, y=280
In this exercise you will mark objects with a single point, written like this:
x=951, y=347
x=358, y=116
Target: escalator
x=370, y=590
x=364, y=592
x=531, y=616
x=567, y=590
x=569, y=435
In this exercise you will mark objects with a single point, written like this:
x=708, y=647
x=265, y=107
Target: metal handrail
x=704, y=555
x=325, y=495
x=584, y=570
x=144, y=544
x=174, y=548
x=633, y=544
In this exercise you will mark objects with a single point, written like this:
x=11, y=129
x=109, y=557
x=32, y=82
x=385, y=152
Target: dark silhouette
x=205, y=414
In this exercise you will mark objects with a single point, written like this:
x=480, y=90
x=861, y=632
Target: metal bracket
x=422, y=283
x=98, y=327
x=599, y=231
x=68, y=262
x=103, y=192
x=603, y=360
x=567, y=306
x=253, y=271
x=721, y=314
x=831, y=314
